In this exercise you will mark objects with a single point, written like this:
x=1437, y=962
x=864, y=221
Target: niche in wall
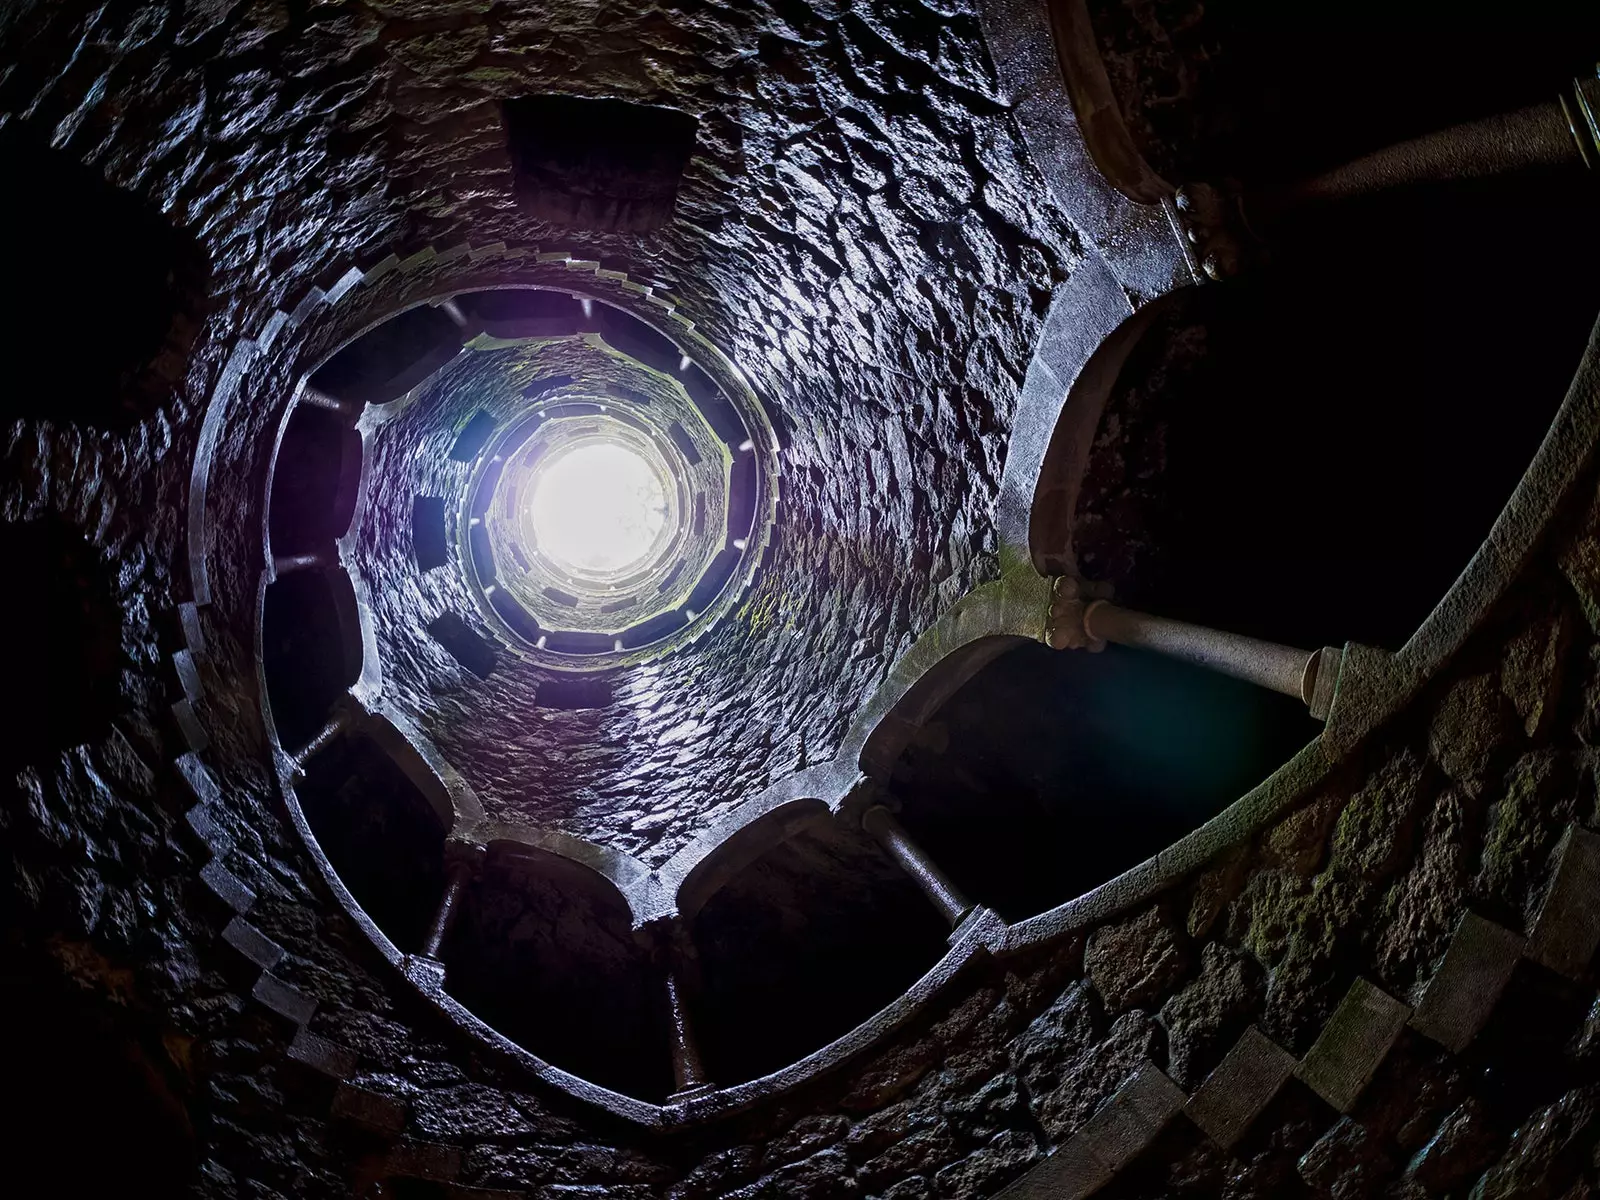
x=464, y=644
x=428, y=538
x=597, y=164
x=380, y=834
x=801, y=946
x=387, y=361
x=310, y=649
x=315, y=481
x=544, y=951
x=65, y=657
x=1050, y=772
x=106, y=294
x=1313, y=454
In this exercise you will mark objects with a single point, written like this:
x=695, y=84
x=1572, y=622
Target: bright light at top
x=596, y=508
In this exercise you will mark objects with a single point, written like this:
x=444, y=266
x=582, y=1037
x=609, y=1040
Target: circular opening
x=596, y=509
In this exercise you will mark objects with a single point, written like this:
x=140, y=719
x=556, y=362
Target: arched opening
x=66, y=652
x=107, y=295
x=310, y=650
x=544, y=951
x=386, y=362
x=1051, y=772
x=315, y=481
x=1312, y=454
x=380, y=834
x=801, y=946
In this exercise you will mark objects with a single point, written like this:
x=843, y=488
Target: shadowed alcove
x=379, y=833
x=544, y=951
x=1313, y=454
x=106, y=290
x=310, y=650
x=1051, y=772
x=802, y=945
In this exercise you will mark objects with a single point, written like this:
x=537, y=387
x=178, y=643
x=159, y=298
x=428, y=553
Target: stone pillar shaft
x=1281, y=668
x=1556, y=134
x=688, y=1072
x=287, y=564
x=946, y=897
x=455, y=884
x=317, y=399
x=335, y=727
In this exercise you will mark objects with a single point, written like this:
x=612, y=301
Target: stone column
x=1227, y=228
x=1078, y=622
x=318, y=399
x=288, y=564
x=337, y=725
x=458, y=873
x=688, y=1071
x=946, y=897
x=1539, y=137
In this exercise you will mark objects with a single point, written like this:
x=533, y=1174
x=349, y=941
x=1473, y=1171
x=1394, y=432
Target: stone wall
x=863, y=233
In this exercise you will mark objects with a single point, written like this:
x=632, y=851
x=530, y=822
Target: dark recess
x=1314, y=454
x=310, y=650
x=106, y=295
x=717, y=409
x=545, y=953
x=474, y=436
x=380, y=834
x=1278, y=101
x=483, y=563
x=574, y=642
x=386, y=362
x=514, y=615
x=657, y=626
x=714, y=580
x=741, y=495
x=66, y=655
x=598, y=164
x=315, y=481
x=1052, y=771
x=87, y=1071
x=535, y=312
x=428, y=538
x=574, y=693
x=802, y=946
x=625, y=332
x=464, y=644
x=685, y=444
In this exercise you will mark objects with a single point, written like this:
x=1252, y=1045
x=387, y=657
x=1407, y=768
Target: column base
x=426, y=973
x=698, y=1092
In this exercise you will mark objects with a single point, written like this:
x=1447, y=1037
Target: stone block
x=1353, y=1044
x=189, y=728
x=1071, y=1172
x=227, y=887
x=1243, y=1084
x=188, y=676
x=256, y=946
x=1568, y=925
x=424, y=972
x=200, y=782
x=284, y=999
x=369, y=1110
x=193, y=634
x=424, y=1160
x=1117, y=1133
x=1464, y=990
x=211, y=837
x=322, y=1056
